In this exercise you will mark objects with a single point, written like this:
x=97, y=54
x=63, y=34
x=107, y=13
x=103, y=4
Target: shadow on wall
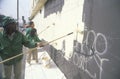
x=70, y=70
x=53, y=6
x=67, y=67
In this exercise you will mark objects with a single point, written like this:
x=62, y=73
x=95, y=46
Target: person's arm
x=27, y=43
x=37, y=39
x=0, y=41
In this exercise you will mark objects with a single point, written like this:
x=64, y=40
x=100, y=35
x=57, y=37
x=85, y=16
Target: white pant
x=1, y=69
x=32, y=54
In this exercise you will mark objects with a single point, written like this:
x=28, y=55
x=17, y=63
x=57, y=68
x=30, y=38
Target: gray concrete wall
x=101, y=18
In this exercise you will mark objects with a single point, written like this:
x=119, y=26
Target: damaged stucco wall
x=93, y=54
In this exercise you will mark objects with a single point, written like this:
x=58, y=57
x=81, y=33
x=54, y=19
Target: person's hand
x=40, y=44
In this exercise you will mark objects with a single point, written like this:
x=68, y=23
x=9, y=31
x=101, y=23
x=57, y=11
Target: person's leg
x=18, y=70
x=29, y=57
x=35, y=55
x=32, y=55
x=1, y=70
x=24, y=62
x=8, y=71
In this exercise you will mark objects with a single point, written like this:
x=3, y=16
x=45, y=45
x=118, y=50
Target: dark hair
x=33, y=32
x=31, y=22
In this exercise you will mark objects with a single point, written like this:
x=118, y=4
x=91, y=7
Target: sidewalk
x=39, y=71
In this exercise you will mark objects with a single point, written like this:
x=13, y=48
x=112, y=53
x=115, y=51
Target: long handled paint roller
x=34, y=48
x=59, y=38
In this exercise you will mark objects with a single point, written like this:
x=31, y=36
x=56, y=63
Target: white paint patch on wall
x=62, y=23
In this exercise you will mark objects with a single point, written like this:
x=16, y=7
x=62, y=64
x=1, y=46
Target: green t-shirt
x=32, y=37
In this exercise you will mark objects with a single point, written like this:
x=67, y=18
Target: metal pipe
x=18, y=13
